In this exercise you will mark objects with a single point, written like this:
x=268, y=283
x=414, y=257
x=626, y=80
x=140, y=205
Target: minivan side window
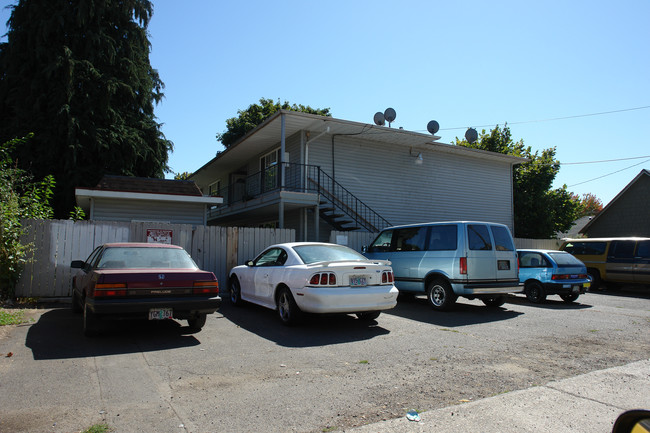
x=502, y=239
x=643, y=250
x=443, y=238
x=410, y=239
x=622, y=249
x=382, y=243
x=479, y=237
x=586, y=248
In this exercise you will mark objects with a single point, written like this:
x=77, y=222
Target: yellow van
x=613, y=261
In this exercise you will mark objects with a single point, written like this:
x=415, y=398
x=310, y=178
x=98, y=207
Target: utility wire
x=608, y=174
x=554, y=118
x=605, y=160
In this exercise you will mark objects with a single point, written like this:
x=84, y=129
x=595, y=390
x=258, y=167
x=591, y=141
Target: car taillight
x=387, y=277
x=567, y=276
x=205, y=287
x=463, y=266
x=323, y=279
x=109, y=290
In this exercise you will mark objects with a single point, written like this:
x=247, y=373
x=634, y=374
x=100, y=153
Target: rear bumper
x=346, y=299
x=564, y=288
x=182, y=308
x=487, y=288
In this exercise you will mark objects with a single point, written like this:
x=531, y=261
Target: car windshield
x=565, y=259
x=145, y=258
x=326, y=253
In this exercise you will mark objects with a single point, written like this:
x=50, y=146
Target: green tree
x=20, y=198
x=182, y=176
x=255, y=114
x=76, y=73
x=540, y=212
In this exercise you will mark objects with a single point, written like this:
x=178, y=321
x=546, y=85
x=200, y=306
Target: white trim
x=85, y=194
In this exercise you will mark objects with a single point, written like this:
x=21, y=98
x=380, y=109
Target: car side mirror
x=77, y=264
x=249, y=263
x=632, y=421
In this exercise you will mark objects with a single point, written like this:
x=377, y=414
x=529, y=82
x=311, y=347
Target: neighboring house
x=574, y=231
x=123, y=198
x=316, y=174
x=628, y=214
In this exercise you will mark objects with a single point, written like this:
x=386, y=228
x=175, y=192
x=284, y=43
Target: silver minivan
x=445, y=260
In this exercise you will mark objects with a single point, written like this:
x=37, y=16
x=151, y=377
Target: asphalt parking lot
x=246, y=372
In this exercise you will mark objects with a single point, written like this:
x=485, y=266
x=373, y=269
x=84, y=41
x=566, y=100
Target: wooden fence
x=58, y=242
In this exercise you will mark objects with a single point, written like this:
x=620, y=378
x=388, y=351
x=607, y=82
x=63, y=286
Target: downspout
x=327, y=131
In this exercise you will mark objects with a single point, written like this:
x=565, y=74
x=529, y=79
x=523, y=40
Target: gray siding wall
x=629, y=215
x=444, y=187
x=131, y=210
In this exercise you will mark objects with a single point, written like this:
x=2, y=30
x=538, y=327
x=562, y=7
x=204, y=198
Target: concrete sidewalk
x=588, y=403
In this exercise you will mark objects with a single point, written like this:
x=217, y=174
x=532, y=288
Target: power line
x=604, y=160
x=608, y=174
x=553, y=118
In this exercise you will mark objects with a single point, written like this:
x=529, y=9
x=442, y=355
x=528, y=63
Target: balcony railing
x=303, y=178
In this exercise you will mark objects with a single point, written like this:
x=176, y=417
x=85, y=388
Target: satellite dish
x=379, y=118
x=433, y=127
x=390, y=115
x=471, y=135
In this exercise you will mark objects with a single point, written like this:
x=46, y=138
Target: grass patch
x=449, y=330
x=329, y=429
x=363, y=361
x=98, y=428
x=12, y=317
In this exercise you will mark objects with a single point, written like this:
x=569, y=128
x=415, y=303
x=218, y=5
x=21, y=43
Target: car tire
x=76, y=303
x=287, y=309
x=494, y=301
x=368, y=315
x=235, y=292
x=440, y=295
x=569, y=298
x=596, y=283
x=197, y=322
x=534, y=292
x=89, y=321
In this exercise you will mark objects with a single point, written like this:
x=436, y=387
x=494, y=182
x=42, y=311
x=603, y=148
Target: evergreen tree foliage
x=76, y=73
x=255, y=114
x=540, y=212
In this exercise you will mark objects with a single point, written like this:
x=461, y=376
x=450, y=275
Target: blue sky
x=464, y=64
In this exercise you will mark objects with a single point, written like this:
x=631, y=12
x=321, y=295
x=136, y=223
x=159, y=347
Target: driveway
x=244, y=372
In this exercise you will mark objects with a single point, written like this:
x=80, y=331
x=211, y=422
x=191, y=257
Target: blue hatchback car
x=550, y=272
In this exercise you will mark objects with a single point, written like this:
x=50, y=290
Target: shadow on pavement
x=314, y=330
x=552, y=302
x=58, y=335
x=462, y=314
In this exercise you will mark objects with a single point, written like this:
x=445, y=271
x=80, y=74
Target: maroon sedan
x=140, y=280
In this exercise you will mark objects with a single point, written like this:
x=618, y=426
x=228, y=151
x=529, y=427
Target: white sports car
x=314, y=277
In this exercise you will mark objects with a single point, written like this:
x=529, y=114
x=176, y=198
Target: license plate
x=586, y=285
x=160, y=313
x=358, y=281
x=503, y=265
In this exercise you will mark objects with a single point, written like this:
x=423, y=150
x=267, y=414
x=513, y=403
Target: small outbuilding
x=124, y=198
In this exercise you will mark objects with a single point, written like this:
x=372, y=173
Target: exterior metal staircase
x=342, y=209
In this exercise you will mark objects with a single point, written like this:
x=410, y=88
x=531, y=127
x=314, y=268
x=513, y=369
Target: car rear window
x=565, y=259
x=502, y=239
x=479, y=237
x=145, y=258
x=326, y=253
